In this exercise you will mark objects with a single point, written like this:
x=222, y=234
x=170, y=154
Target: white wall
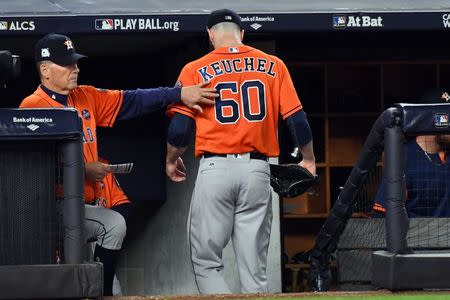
x=159, y=264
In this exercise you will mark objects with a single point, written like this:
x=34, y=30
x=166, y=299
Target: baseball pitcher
x=234, y=138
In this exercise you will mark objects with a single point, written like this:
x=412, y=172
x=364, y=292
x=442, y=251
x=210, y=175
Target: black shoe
x=319, y=276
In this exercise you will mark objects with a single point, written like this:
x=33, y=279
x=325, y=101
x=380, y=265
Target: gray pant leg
x=252, y=225
x=210, y=224
x=105, y=226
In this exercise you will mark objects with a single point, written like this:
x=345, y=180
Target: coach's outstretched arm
x=141, y=101
x=302, y=136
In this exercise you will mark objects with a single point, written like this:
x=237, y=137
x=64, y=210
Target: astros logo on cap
x=69, y=44
x=446, y=96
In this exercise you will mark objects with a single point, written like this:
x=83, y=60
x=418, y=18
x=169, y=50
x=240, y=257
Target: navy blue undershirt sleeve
x=180, y=131
x=141, y=101
x=299, y=128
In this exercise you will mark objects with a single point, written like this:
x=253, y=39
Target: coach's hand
x=176, y=170
x=96, y=171
x=194, y=95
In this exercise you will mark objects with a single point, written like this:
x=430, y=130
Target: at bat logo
x=346, y=21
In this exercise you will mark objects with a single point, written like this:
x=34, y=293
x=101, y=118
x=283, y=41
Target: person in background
x=427, y=171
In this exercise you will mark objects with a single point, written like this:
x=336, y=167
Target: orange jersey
x=254, y=87
x=96, y=108
x=113, y=193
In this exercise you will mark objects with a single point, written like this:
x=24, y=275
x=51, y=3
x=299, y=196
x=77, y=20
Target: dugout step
x=411, y=271
x=64, y=281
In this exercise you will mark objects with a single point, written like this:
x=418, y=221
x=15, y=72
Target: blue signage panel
x=253, y=23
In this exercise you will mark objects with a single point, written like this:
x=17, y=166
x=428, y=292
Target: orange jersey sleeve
x=105, y=103
x=289, y=101
x=186, y=78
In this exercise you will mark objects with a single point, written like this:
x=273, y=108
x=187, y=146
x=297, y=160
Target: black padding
x=397, y=222
x=28, y=219
x=51, y=281
x=355, y=265
x=421, y=119
x=73, y=204
x=411, y=271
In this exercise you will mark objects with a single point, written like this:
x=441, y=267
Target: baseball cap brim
x=69, y=60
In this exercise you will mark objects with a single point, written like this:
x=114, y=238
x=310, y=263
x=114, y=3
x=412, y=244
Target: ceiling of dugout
x=36, y=7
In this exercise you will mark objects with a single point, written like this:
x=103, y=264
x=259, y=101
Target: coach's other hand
x=176, y=170
x=194, y=95
x=96, y=171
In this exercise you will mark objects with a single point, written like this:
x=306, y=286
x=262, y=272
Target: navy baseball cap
x=57, y=48
x=223, y=15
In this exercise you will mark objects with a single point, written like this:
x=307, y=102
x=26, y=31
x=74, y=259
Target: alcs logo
x=446, y=20
x=17, y=25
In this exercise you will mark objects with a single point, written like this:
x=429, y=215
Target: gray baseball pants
x=232, y=199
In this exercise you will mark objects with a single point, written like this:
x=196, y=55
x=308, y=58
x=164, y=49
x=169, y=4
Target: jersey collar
x=62, y=99
x=233, y=49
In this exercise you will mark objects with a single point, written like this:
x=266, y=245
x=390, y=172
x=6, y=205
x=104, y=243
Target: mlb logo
x=339, y=21
x=233, y=50
x=45, y=52
x=104, y=24
x=3, y=25
x=441, y=120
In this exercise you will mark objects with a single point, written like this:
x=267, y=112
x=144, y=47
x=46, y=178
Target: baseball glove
x=291, y=180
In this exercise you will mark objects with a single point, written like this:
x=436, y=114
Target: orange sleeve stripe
x=378, y=207
x=292, y=111
x=182, y=110
x=119, y=202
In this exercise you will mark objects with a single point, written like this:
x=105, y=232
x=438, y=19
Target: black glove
x=291, y=180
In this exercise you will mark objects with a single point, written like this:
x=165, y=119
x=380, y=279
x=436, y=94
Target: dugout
x=347, y=72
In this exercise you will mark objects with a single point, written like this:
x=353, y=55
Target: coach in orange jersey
x=107, y=205
x=234, y=138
